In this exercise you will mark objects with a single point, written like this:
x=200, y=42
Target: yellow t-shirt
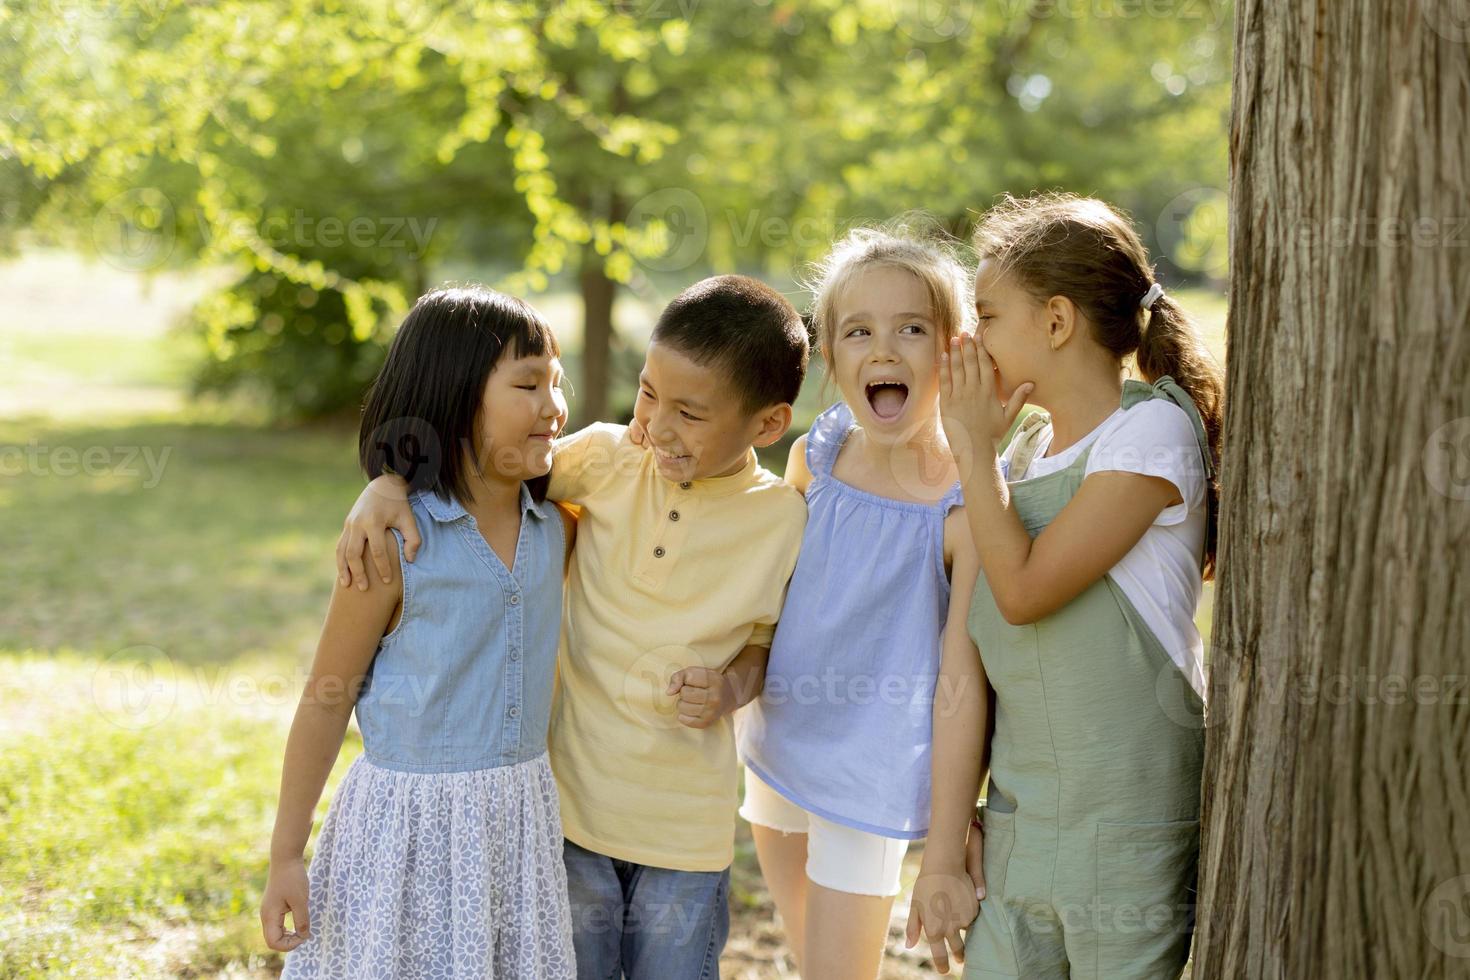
x=665, y=575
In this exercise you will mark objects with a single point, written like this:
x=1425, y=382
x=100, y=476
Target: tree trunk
x=1337, y=797
x=598, y=292
x=600, y=200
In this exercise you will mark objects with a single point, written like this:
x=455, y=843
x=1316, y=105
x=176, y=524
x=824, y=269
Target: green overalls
x=1092, y=817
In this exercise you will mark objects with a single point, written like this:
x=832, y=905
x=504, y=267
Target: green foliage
x=645, y=141
x=297, y=344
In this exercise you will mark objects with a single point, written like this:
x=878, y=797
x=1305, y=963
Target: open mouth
x=670, y=459
x=887, y=398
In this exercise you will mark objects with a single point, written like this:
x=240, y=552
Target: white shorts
x=841, y=858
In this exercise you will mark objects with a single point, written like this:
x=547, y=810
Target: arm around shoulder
x=582, y=461
x=382, y=504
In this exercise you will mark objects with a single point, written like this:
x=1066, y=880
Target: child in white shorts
x=841, y=858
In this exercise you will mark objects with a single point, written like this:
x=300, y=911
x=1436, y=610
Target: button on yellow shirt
x=665, y=575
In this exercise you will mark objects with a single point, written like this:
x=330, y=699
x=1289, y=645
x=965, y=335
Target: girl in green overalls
x=1095, y=531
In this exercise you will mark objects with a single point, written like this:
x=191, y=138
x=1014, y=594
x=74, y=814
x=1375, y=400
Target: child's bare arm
x=950, y=878
x=1098, y=526
x=797, y=473
x=746, y=674
x=1102, y=522
x=356, y=621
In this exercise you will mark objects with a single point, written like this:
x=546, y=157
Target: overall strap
x=1166, y=387
x=1026, y=439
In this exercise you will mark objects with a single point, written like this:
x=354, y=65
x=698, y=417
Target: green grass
x=157, y=361
x=133, y=839
x=165, y=577
x=220, y=548
x=151, y=646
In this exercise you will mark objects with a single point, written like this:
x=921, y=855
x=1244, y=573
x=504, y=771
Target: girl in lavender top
x=837, y=748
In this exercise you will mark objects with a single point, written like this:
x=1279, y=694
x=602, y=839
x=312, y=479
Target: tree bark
x=1337, y=801
x=598, y=293
x=601, y=200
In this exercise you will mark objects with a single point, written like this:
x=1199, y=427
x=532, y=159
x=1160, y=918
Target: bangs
x=528, y=334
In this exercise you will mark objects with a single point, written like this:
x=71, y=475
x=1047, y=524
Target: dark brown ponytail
x=1084, y=249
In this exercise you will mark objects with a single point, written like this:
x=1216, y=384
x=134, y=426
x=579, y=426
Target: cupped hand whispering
x=975, y=418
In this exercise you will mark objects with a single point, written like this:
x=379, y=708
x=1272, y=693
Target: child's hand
x=975, y=860
x=637, y=433
x=382, y=504
x=975, y=419
x=286, y=890
x=943, y=903
x=704, y=696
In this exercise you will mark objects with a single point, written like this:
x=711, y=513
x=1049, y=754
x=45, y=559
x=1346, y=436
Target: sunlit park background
x=214, y=214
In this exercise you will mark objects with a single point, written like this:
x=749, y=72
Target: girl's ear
x=1060, y=317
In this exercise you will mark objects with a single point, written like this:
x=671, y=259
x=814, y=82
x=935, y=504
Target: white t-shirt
x=1161, y=574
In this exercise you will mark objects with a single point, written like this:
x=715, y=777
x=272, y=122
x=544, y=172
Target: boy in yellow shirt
x=683, y=553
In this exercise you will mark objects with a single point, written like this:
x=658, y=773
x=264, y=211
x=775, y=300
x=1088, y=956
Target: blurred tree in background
x=334, y=158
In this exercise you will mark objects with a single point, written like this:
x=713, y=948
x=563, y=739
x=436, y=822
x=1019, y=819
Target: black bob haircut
x=419, y=419
x=747, y=330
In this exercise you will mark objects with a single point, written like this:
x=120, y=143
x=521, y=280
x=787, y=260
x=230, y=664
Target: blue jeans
x=645, y=923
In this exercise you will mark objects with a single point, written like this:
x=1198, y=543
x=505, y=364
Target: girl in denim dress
x=441, y=853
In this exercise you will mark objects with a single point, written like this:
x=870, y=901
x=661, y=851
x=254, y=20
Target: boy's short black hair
x=747, y=329
x=419, y=418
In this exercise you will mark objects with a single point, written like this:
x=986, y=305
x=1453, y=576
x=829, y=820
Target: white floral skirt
x=439, y=875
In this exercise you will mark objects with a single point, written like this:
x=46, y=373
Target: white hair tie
x=1152, y=296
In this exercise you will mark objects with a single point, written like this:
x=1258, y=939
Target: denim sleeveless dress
x=843, y=727
x=441, y=853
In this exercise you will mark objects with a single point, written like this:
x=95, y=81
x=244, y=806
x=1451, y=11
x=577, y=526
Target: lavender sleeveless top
x=843, y=726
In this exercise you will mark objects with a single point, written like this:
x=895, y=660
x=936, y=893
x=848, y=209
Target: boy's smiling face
x=696, y=422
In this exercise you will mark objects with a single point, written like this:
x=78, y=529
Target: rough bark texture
x=598, y=293
x=1337, y=781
